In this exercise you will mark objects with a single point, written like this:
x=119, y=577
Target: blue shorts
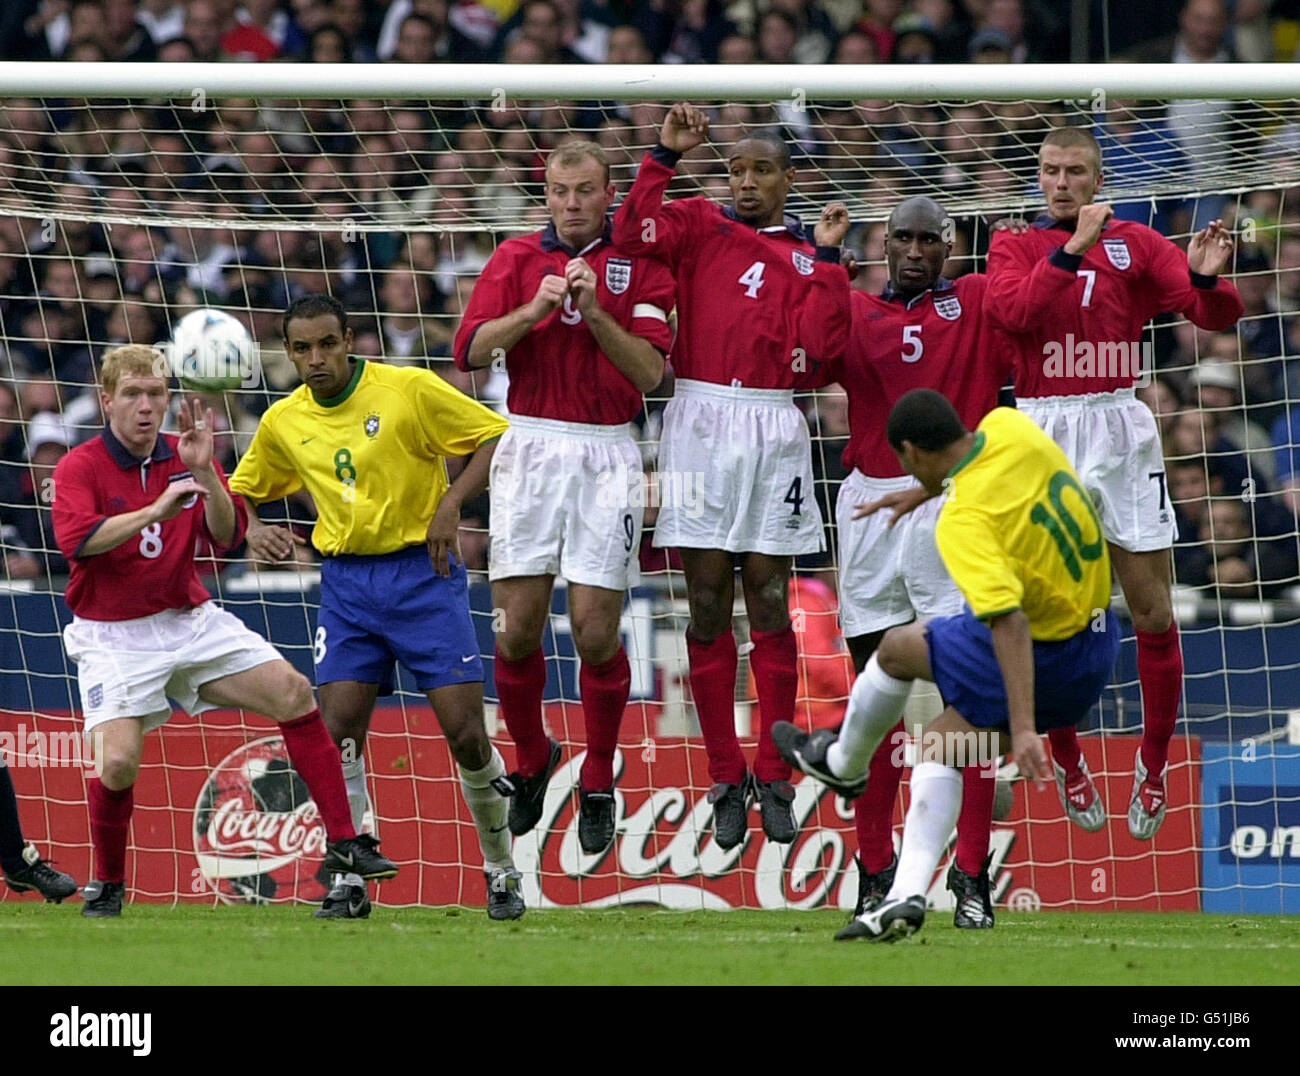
x=378, y=610
x=1069, y=675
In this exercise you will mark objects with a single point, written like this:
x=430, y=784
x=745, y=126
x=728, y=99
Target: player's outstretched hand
x=581, y=279
x=685, y=127
x=832, y=226
x=901, y=501
x=1092, y=219
x=1210, y=249
x=444, y=539
x=549, y=295
x=272, y=544
x=195, y=446
x=171, y=502
x=1027, y=750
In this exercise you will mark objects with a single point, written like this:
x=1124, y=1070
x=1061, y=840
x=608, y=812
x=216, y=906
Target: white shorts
x=1112, y=440
x=887, y=575
x=567, y=499
x=735, y=473
x=131, y=668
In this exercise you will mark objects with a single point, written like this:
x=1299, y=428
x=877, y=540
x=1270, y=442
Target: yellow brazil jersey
x=372, y=457
x=1019, y=532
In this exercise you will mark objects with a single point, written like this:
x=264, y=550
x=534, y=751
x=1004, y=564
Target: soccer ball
x=211, y=351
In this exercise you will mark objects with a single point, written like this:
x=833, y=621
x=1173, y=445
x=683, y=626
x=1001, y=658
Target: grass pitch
x=151, y=945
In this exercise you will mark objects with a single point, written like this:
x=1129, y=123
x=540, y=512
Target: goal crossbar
x=742, y=82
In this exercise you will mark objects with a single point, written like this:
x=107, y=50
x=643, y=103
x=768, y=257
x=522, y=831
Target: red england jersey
x=755, y=307
x=558, y=370
x=940, y=339
x=1077, y=320
x=151, y=571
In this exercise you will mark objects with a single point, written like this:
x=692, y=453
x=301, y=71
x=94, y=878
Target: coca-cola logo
x=258, y=836
x=664, y=852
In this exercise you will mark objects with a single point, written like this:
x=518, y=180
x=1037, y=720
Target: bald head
x=917, y=243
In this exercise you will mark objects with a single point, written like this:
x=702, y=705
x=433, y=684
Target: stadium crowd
x=1228, y=403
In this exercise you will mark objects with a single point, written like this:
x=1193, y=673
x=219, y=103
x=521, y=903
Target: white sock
x=875, y=705
x=354, y=779
x=346, y=879
x=936, y=801
x=489, y=809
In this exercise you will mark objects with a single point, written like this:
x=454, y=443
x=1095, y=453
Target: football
x=211, y=351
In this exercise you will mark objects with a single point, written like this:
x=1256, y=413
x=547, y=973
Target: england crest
x=618, y=275
x=948, y=307
x=372, y=425
x=802, y=262
x=1117, y=252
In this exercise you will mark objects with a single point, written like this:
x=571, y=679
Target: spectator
x=1219, y=384
x=877, y=22
x=914, y=40
x=1288, y=272
x=204, y=28
x=48, y=441
x=259, y=32
x=991, y=46
x=1236, y=563
x=1006, y=17
x=627, y=46
x=125, y=39
x=410, y=333
x=164, y=20
x=948, y=27
x=177, y=50
x=815, y=33
x=692, y=37
x=777, y=35
x=450, y=42
x=349, y=17
x=12, y=453
x=737, y=49
x=856, y=47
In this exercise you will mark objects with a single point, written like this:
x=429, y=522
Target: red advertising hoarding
x=220, y=815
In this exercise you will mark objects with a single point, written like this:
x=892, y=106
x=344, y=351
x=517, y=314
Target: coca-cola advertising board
x=221, y=816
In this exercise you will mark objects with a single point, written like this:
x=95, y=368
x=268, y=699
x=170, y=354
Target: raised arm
x=1192, y=285
x=643, y=224
x=825, y=318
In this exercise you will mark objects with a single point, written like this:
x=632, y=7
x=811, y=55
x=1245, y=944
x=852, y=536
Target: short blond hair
x=130, y=360
x=1074, y=138
x=577, y=151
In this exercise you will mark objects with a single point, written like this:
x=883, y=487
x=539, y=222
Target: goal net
x=131, y=198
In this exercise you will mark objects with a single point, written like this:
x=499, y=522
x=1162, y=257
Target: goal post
x=131, y=195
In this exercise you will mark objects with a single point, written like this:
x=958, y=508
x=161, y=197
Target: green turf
x=48, y=944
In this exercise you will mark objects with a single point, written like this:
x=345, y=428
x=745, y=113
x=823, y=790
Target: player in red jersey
x=1075, y=291
x=758, y=306
x=923, y=332
x=127, y=515
x=583, y=330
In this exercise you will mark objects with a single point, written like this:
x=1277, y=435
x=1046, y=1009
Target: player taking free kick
x=1032, y=651
x=129, y=506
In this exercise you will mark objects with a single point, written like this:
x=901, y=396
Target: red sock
x=775, y=662
x=313, y=753
x=520, y=685
x=1066, y=751
x=975, y=822
x=1160, y=671
x=110, y=819
x=873, y=811
x=713, y=685
x=604, y=690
